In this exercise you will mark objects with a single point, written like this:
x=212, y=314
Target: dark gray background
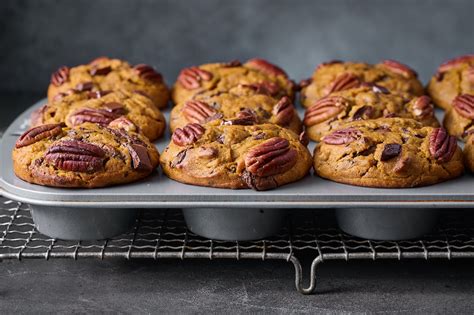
x=37, y=36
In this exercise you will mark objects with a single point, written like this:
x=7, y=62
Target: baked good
x=104, y=75
x=366, y=102
x=255, y=109
x=459, y=119
x=469, y=152
x=87, y=156
x=453, y=78
x=334, y=76
x=131, y=111
x=235, y=156
x=256, y=76
x=388, y=152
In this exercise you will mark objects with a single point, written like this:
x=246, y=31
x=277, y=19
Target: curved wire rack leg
x=299, y=275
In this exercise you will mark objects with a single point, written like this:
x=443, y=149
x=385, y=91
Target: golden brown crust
x=105, y=74
x=390, y=153
x=335, y=76
x=231, y=77
x=224, y=156
x=363, y=103
x=228, y=106
x=61, y=161
x=110, y=109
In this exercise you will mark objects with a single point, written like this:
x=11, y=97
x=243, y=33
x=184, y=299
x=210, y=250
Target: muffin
x=367, y=102
x=256, y=76
x=335, y=76
x=389, y=153
x=256, y=109
x=132, y=112
x=453, y=78
x=104, y=75
x=86, y=156
x=235, y=156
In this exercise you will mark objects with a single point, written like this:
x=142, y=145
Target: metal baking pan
x=157, y=191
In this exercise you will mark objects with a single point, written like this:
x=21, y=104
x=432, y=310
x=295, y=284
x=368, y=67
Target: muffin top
x=105, y=75
x=335, y=76
x=453, y=78
x=86, y=156
x=256, y=76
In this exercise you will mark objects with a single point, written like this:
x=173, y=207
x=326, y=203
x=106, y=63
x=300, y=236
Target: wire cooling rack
x=160, y=234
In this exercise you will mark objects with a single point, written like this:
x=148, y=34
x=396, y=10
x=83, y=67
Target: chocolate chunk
x=390, y=151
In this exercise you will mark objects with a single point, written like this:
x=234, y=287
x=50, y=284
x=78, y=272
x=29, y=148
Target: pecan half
x=123, y=123
x=97, y=94
x=198, y=111
x=390, y=151
x=190, y=78
x=327, y=63
x=148, y=73
x=284, y=111
x=188, y=134
x=92, y=115
x=36, y=134
x=453, y=63
x=423, y=107
x=343, y=82
x=60, y=76
x=265, y=88
x=272, y=157
x=464, y=105
x=140, y=158
x=100, y=71
x=265, y=66
x=363, y=113
x=85, y=86
x=76, y=156
x=342, y=136
x=399, y=68
x=442, y=145
x=325, y=108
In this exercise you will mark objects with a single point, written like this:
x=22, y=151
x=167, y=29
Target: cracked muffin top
x=363, y=103
x=334, y=76
x=469, y=152
x=86, y=156
x=256, y=76
x=260, y=157
x=388, y=152
x=132, y=112
x=244, y=109
x=105, y=75
x=453, y=78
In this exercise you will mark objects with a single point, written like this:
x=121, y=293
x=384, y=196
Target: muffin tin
x=82, y=207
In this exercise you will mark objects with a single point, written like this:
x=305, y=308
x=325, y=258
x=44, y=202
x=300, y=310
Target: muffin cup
x=387, y=224
x=234, y=224
x=70, y=223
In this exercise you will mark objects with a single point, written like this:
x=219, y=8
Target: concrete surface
x=228, y=287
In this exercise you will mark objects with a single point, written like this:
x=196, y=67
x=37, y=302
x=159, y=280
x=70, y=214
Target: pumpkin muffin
x=335, y=76
x=235, y=156
x=453, y=78
x=256, y=76
x=389, y=153
x=363, y=103
x=255, y=109
x=104, y=75
x=87, y=156
x=132, y=112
